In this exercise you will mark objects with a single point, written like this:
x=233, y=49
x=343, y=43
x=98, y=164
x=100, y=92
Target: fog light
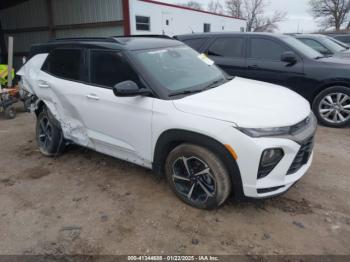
x=269, y=160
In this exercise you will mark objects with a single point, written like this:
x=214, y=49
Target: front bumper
x=285, y=174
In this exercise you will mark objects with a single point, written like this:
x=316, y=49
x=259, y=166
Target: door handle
x=93, y=97
x=253, y=67
x=43, y=84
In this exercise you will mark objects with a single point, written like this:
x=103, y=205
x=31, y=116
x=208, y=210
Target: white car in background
x=159, y=104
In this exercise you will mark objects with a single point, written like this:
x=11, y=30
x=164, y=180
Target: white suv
x=159, y=104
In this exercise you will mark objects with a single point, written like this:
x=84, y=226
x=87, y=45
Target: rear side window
x=65, y=63
x=196, y=44
x=109, y=68
x=266, y=49
x=229, y=47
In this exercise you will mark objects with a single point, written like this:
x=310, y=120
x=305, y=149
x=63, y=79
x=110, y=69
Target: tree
x=254, y=12
x=193, y=4
x=331, y=13
x=234, y=8
x=215, y=7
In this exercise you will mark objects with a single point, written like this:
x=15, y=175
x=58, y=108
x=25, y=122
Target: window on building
x=266, y=49
x=196, y=44
x=206, y=28
x=143, y=23
x=242, y=29
x=109, y=68
x=65, y=63
x=228, y=47
x=167, y=22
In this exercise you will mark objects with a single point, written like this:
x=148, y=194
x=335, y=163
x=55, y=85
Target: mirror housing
x=129, y=88
x=289, y=57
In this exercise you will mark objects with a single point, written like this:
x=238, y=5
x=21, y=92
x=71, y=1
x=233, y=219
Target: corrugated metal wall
x=34, y=14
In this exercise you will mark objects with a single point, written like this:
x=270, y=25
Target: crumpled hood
x=248, y=103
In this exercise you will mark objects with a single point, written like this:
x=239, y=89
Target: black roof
x=130, y=43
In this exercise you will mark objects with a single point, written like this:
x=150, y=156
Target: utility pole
x=10, y=62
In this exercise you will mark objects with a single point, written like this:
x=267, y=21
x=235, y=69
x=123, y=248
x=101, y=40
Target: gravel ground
x=87, y=203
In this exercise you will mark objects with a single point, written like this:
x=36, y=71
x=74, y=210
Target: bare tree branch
x=193, y=4
x=331, y=13
x=215, y=7
x=234, y=8
x=254, y=11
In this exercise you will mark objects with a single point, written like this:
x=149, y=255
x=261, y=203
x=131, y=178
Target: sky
x=298, y=16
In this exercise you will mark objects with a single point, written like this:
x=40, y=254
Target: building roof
x=188, y=8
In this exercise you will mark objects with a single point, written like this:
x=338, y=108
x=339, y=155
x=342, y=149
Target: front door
x=264, y=63
x=118, y=126
x=229, y=54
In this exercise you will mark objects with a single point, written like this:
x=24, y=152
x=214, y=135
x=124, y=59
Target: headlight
x=279, y=131
x=269, y=160
x=264, y=132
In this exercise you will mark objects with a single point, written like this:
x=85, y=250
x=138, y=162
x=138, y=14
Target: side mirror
x=289, y=57
x=129, y=88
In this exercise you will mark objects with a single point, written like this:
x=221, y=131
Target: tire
x=48, y=135
x=190, y=188
x=10, y=112
x=332, y=107
x=27, y=104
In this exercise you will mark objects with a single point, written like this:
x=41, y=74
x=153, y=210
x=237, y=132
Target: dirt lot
x=88, y=203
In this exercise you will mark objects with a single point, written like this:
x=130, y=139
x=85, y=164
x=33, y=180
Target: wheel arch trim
x=171, y=138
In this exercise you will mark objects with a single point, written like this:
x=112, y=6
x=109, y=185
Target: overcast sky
x=298, y=15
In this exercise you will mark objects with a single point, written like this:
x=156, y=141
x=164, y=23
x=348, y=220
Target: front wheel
x=332, y=107
x=49, y=137
x=197, y=176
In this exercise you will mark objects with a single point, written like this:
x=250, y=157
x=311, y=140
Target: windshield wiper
x=215, y=83
x=210, y=86
x=185, y=92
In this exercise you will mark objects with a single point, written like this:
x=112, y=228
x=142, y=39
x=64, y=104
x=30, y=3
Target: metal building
x=35, y=21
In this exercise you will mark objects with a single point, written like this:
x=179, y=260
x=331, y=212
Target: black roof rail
x=151, y=36
x=83, y=39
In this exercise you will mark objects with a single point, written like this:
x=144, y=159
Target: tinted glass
x=230, y=47
x=315, y=45
x=196, y=44
x=265, y=49
x=109, y=68
x=179, y=68
x=301, y=47
x=335, y=47
x=343, y=38
x=65, y=63
x=143, y=23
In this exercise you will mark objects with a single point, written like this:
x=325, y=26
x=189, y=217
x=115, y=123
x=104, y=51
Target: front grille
x=302, y=157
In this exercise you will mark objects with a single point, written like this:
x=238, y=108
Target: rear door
x=61, y=84
x=264, y=63
x=229, y=53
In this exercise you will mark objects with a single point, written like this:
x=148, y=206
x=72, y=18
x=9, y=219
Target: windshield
x=180, y=68
x=331, y=44
x=302, y=48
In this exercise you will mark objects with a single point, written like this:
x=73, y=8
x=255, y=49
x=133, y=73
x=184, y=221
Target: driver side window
x=108, y=68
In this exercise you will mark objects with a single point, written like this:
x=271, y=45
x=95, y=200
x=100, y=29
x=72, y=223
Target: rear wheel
x=332, y=106
x=49, y=137
x=197, y=176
